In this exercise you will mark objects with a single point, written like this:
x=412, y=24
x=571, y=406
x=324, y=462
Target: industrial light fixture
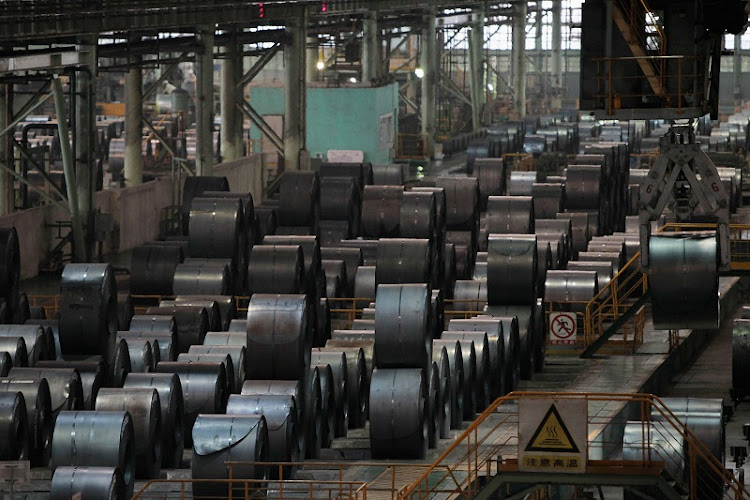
x=490, y=87
x=419, y=72
x=352, y=80
x=321, y=65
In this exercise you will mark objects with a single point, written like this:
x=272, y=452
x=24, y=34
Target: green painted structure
x=351, y=118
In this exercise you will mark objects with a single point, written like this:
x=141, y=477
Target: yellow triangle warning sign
x=552, y=435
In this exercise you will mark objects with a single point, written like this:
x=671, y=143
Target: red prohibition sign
x=563, y=326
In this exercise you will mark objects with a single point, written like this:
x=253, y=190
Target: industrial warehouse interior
x=374, y=250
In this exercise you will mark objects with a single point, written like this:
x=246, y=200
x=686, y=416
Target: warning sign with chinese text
x=552, y=435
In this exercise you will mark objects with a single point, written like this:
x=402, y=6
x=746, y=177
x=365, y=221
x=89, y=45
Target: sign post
x=552, y=435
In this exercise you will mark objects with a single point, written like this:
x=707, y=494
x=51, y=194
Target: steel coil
x=544, y=263
x=88, y=308
x=163, y=345
x=364, y=285
x=195, y=186
x=684, y=280
x=144, y=353
x=191, y=324
x=449, y=270
x=496, y=375
x=37, y=398
x=389, y=175
x=232, y=385
x=144, y=408
x=248, y=207
x=511, y=269
x=490, y=174
x=402, y=335
x=510, y=215
x=203, y=388
x=280, y=413
x=572, y=287
x=278, y=337
x=14, y=427
x=299, y=194
x=22, y=311
x=464, y=250
x=381, y=211
x=660, y=439
x=153, y=323
x=95, y=438
x=10, y=265
x=36, y=313
x=399, y=414
x=369, y=249
x=339, y=388
x=238, y=357
x=445, y=387
x=512, y=357
x=236, y=337
x=741, y=357
x=66, y=391
x=286, y=388
x=705, y=417
x=310, y=253
x=440, y=205
x=105, y=483
x=613, y=258
x=362, y=173
x=583, y=186
x=527, y=335
x=358, y=381
x=404, y=261
x=125, y=310
x=437, y=313
x=336, y=279
x=521, y=183
x=557, y=228
x=238, y=325
x=16, y=348
x=556, y=245
x=435, y=403
x=549, y=199
x=331, y=232
x=603, y=271
x=93, y=376
x=328, y=403
x=6, y=363
x=276, y=269
x=314, y=407
x=265, y=218
x=172, y=410
x=352, y=258
x=152, y=269
x=323, y=317
x=461, y=202
x=469, y=295
x=418, y=215
x=116, y=362
x=226, y=305
x=222, y=438
x=580, y=232
x=215, y=322
x=340, y=200
x=192, y=278
x=456, y=373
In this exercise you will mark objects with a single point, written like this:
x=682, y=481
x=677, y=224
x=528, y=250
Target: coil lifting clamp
x=684, y=180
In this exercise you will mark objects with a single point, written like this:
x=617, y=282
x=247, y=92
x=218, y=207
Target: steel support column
x=429, y=64
x=737, y=70
x=518, y=58
x=295, y=91
x=231, y=93
x=204, y=106
x=133, y=116
x=6, y=144
x=84, y=134
x=370, y=52
x=476, y=71
x=556, y=54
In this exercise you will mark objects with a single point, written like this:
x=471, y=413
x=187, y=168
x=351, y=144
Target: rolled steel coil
x=226, y=304
x=511, y=337
x=336, y=278
x=449, y=272
x=66, y=391
x=221, y=438
x=192, y=278
x=179, y=241
x=340, y=200
x=363, y=324
x=684, y=280
x=276, y=269
x=95, y=438
x=540, y=334
x=527, y=335
x=741, y=356
x=521, y=183
x=153, y=323
x=144, y=354
x=299, y=194
x=22, y=311
x=88, y=308
x=461, y=202
x=310, y=252
x=571, y=287
x=404, y=261
x=35, y=313
x=556, y=228
x=331, y=232
x=389, y=175
x=191, y=324
x=510, y=215
x=469, y=295
x=437, y=313
x=117, y=362
x=38, y=402
x=580, y=231
x=477, y=148
x=352, y=258
x=464, y=248
x=511, y=269
x=144, y=408
x=470, y=389
x=456, y=367
x=418, y=215
x=544, y=263
x=490, y=174
x=294, y=231
x=224, y=359
x=362, y=173
x=286, y=388
x=583, y=187
x=660, y=439
x=10, y=265
x=323, y=320
x=705, y=417
x=105, y=483
x=14, y=427
x=93, y=376
x=163, y=344
x=238, y=325
x=265, y=218
x=230, y=338
x=279, y=336
x=484, y=380
x=496, y=375
x=381, y=211
x=172, y=408
x=125, y=310
x=435, y=404
x=364, y=285
x=215, y=322
x=603, y=271
x=195, y=186
x=16, y=348
x=280, y=413
x=248, y=207
x=402, y=320
x=236, y=353
x=399, y=414
x=203, y=388
x=440, y=205
x=328, y=403
x=339, y=387
x=314, y=407
x=549, y=199
x=358, y=381
x=601, y=245
x=441, y=363
x=556, y=245
x=152, y=269
x=614, y=258
x=369, y=249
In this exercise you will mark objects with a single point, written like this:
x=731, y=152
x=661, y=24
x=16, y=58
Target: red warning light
x=324, y=7
x=261, y=10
